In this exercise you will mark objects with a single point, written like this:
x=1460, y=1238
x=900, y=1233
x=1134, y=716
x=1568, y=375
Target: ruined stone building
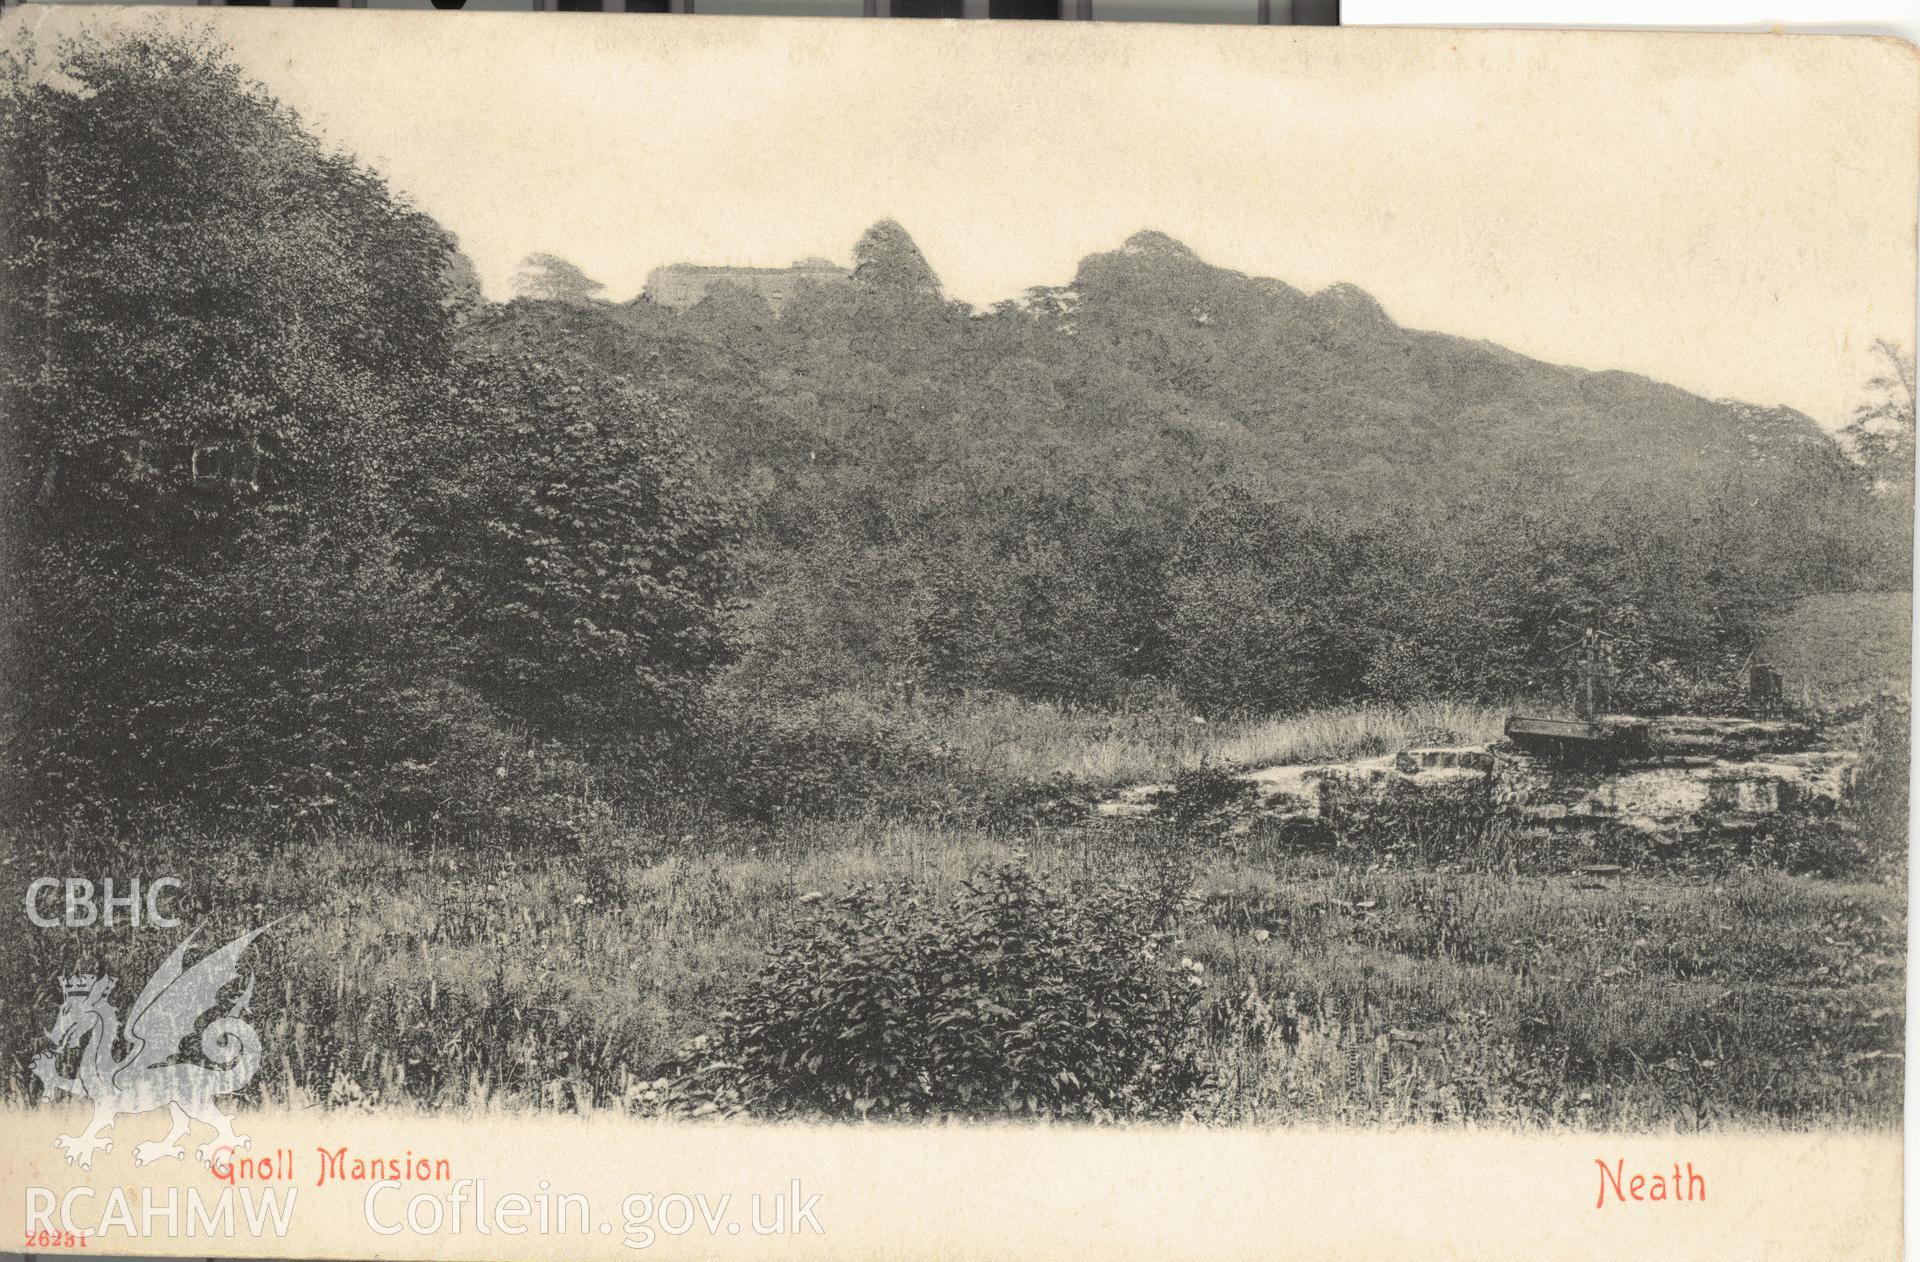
x=681, y=285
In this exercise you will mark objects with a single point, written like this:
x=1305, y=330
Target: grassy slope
x=1844, y=647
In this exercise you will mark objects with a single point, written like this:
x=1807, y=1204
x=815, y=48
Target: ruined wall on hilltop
x=682, y=285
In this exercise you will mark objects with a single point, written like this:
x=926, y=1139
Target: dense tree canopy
x=215, y=330
x=589, y=569
x=233, y=382
x=1169, y=472
x=298, y=517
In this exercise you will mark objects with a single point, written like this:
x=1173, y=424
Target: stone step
x=1443, y=758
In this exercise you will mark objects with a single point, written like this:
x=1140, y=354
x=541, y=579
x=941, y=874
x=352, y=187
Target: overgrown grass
x=483, y=979
x=1381, y=987
x=1153, y=740
x=1407, y=997
x=1358, y=731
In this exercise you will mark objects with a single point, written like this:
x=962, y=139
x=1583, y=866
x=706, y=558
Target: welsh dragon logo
x=149, y=1077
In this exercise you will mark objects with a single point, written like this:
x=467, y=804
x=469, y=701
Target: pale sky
x=1734, y=214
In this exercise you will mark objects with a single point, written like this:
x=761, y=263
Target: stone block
x=1449, y=758
x=1683, y=735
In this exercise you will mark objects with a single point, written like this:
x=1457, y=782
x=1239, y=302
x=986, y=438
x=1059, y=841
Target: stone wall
x=682, y=285
x=1666, y=779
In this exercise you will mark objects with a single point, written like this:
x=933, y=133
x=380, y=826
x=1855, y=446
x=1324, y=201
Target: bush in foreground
x=1008, y=1001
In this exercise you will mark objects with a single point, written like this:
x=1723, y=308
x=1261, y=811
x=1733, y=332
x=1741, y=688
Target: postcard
x=713, y=637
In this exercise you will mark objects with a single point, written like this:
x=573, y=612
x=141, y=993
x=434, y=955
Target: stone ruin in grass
x=1669, y=779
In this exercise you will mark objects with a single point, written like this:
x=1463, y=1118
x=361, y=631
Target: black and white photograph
x=706, y=577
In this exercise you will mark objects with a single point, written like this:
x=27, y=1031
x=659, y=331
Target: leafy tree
x=1881, y=430
x=295, y=512
x=215, y=331
x=1465, y=502
x=591, y=571
x=463, y=296
x=885, y=257
x=1260, y=616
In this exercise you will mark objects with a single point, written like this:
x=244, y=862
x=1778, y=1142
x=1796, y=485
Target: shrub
x=488, y=778
x=763, y=760
x=1010, y=1000
x=1424, y=824
x=1877, y=798
x=1832, y=847
x=1205, y=797
x=1660, y=685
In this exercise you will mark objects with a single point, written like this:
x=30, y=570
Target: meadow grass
x=1357, y=731
x=420, y=976
x=1154, y=739
x=411, y=972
